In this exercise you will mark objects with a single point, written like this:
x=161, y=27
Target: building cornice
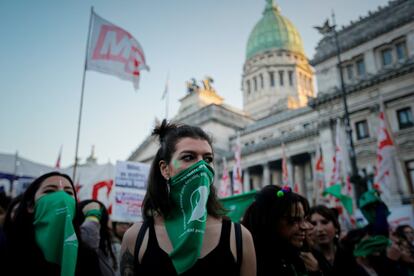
x=384, y=76
x=366, y=29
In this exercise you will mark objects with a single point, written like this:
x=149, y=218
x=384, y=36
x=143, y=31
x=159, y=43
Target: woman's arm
x=248, y=266
x=127, y=250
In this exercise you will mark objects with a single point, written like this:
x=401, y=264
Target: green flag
x=336, y=191
x=238, y=204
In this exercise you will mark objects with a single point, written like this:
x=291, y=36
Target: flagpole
x=16, y=164
x=167, y=101
x=81, y=99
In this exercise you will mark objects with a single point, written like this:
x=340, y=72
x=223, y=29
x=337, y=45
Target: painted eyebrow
x=193, y=152
x=55, y=185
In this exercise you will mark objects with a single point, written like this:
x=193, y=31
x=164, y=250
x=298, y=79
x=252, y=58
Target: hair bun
x=163, y=129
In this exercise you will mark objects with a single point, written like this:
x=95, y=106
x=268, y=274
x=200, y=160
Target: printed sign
x=129, y=190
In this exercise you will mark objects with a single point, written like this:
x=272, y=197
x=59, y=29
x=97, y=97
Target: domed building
x=276, y=73
x=281, y=115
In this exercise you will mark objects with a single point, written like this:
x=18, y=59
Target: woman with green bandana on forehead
x=44, y=237
x=184, y=230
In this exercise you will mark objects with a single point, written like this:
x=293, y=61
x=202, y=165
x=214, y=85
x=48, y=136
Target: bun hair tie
x=285, y=189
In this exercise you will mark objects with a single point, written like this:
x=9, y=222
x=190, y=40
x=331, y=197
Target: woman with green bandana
x=44, y=237
x=278, y=221
x=184, y=231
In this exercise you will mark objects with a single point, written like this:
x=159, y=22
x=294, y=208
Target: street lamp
x=356, y=179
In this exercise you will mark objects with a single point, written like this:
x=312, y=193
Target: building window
x=248, y=87
x=362, y=129
x=405, y=117
x=386, y=56
x=255, y=83
x=281, y=78
x=272, y=78
x=350, y=71
x=401, y=51
x=290, y=73
x=261, y=81
x=360, y=66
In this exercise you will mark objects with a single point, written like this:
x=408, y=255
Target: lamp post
x=356, y=179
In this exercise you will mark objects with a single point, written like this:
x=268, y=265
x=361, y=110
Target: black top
x=219, y=261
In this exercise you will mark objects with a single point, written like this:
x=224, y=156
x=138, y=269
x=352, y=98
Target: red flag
x=114, y=51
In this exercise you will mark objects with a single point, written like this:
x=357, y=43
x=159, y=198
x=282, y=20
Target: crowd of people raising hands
x=185, y=230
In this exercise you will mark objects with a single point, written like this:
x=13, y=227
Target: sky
x=42, y=55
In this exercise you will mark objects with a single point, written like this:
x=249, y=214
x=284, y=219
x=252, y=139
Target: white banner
x=129, y=190
x=114, y=51
x=94, y=182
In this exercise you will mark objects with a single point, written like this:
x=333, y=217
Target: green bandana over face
x=189, y=190
x=54, y=230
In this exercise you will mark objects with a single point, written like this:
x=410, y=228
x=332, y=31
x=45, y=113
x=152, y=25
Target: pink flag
x=385, y=174
x=224, y=189
x=114, y=51
x=285, y=174
x=237, y=171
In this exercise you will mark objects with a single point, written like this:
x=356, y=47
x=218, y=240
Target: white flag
x=285, y=173
x=114, y=51
x=237, y=171
x=319, y=179
x=385, y=173
x=224, y=189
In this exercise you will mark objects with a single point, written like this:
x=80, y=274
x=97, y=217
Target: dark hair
x=24, y=255
x=8, y=220
x=263, y=219
x=157, y=196
x=399, y=231
x=328, y=214
x=264, y=215
x=105, y=243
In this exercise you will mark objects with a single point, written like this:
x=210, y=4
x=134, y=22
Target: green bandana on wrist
x=54, y=231
x=371, y=245
x=189, y=190
x=94, y=213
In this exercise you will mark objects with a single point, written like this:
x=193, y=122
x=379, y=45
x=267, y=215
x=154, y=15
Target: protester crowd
x=185, y=230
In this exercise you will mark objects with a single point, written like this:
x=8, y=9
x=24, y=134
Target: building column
x=300, y=179
x=246, y=180
x=266, y=175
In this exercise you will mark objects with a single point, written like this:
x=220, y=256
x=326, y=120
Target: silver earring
x=168, y=186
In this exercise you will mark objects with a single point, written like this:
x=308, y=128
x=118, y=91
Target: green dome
x=273, y=31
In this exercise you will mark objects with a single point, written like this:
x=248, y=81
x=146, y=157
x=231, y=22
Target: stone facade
x=378, y=64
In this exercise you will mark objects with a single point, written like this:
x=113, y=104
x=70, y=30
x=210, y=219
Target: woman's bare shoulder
x=130, y=236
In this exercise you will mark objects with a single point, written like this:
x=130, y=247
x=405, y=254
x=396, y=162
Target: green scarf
x=54, y=231
x=189, y=191
x=371, y=245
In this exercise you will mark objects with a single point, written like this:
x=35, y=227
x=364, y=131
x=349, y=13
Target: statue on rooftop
x=192, y=86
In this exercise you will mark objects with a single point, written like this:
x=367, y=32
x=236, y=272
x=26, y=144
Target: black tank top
x=220, y=261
